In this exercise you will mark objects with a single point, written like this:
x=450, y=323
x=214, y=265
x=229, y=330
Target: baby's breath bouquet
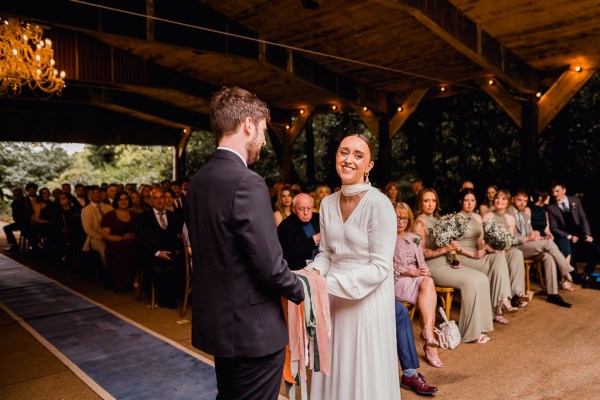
x=448, y=228
x=497, y=236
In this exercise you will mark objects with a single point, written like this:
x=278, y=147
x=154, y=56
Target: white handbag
x=448, y=334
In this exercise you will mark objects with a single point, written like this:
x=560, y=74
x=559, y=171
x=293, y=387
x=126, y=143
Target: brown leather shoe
x=417, y=384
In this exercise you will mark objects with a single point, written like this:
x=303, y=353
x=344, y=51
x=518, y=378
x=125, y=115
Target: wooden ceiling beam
x=368, y=117
x=503, y=98
x=445, y=20
x=35, y=121
x=563, y=90
x=408, y=107
x=69, y=15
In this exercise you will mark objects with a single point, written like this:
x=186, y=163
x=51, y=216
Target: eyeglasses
x=402, y=219
x=303, y=209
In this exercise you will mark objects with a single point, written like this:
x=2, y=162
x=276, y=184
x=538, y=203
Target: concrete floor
x=546, y=352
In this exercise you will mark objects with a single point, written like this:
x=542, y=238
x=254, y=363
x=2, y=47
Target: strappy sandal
x=483, y=339
x=500, y=319
x=566, y=285
x=508, y=306
x=519, y=301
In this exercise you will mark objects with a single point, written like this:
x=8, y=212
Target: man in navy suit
x=571, y=230
x=239, y=271
x=160, y=249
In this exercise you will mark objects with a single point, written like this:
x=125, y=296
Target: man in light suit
x=239, y=271
x=545, y=250
x=91, y=216
x=571, y=230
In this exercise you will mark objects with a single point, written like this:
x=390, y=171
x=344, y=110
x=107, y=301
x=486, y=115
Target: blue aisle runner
x=124, y=360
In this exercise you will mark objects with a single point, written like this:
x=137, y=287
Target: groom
x=239, y=271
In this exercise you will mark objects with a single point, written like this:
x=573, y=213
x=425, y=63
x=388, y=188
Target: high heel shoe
x=433, y=360
x=508, y=306
x=430, y=342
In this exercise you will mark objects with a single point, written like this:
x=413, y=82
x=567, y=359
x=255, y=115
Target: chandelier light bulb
x=27, y=60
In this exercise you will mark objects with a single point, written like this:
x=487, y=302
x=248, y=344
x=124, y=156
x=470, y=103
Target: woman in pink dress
x=413, y=282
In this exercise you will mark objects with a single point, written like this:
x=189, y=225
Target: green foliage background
x=446, y=141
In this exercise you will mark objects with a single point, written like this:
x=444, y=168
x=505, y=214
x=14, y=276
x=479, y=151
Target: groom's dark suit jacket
x=239, y=271
x=557, y=222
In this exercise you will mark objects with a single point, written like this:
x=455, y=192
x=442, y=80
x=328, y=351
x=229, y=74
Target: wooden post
x=310, y=152
x=179, y=154
x=529, y=136
x=384, y=157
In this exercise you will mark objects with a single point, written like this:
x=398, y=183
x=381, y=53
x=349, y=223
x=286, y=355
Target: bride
x=358, y=235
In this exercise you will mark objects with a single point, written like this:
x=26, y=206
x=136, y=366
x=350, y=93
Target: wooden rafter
x=408, y=107
x=449, y=23
x=368, y=118
x=299, y=124
x=563, y=90
x=503, y=98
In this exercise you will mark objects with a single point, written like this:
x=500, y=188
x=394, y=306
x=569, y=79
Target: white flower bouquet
x=497, y=236
x=448, y=228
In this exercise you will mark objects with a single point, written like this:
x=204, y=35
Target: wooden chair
x=445, y=295
x=538, y=265
x=188, y=276
x=411, y=309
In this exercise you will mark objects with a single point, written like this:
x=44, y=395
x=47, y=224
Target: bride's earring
x=367, y=176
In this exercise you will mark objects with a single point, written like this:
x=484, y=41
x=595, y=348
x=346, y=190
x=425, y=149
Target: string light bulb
x=491, y=82
x=400, y=109
x=185, y=130
x=287, y=127
x=365, y=108
x=443, y=89
x=302, y=111
x=538, y=94
x=334, y=107
x=578, y=68
x=107, y=146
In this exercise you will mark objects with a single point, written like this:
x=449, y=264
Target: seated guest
x=473, y=254
x=81, y=198
x=179, y=197
x=136, y=203
x=409, y=362
x=545, y=250
x=118, y=230
x=321, y=192
x=169, y=200
x=392, y=191
x=283, y=205
x=91, y=215
x=488, y=203
x=44, y=212
x=571, y=230
x=299, y=234
x=514, y=256
x=111, y=193
x=68, y=226
x=413, y=283
x=539, y=215
x=146, y=198
x=160, y=250
x=415, y=187
x=19, y=215
x=475, y=311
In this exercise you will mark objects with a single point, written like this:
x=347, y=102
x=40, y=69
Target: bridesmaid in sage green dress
x=474, y=254
x=476, y=310
x=514, y=256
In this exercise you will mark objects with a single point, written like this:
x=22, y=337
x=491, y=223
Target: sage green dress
x=515, y=261
x=493, y=265
x=476, y=310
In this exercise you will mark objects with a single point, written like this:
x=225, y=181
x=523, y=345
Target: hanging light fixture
x=27, y=59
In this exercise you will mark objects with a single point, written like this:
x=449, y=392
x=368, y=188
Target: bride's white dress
x=357, y=260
